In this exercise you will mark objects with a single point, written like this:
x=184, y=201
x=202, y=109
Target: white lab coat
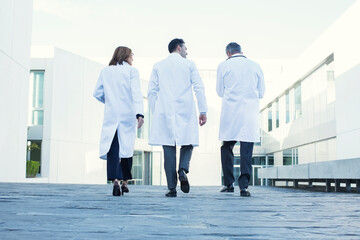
x=240, y=83
x=171, y=100
x=118, y=87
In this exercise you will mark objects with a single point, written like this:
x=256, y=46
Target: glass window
x=295, y=156
x=258, y=160
x=237, y=175
x=271, y=160
x=37, y=96
x=287, y=99
x=297, y=91
x=147, y=168
x=290, y=156
x=137, y=168
x=270, y=118
x=287, y=157
x=37, y=117
x=237, y=160
x=33, y=163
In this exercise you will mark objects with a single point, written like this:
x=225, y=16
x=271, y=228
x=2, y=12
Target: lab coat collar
x=123, y=63
x=175, y=54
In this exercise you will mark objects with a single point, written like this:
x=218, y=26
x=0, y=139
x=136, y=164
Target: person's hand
x=140, y=122
x=202, y=119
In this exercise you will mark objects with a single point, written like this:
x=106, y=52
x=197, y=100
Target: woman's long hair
x=120, y=54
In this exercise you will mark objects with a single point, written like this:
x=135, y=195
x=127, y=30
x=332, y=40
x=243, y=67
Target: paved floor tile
x=60, y=211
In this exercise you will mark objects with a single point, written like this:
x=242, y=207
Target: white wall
x=343, y=38
x=348, y=114
x=72, y=121
x=15, y=41
x=205, y=165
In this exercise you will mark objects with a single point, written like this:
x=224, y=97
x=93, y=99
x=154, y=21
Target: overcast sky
x=264, y=28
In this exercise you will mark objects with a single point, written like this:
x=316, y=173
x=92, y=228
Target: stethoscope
x=236, y=56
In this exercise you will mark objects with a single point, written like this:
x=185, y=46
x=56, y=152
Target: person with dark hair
x=118, y=87
x=173, y=44
x=240, y=84
x=174, y=121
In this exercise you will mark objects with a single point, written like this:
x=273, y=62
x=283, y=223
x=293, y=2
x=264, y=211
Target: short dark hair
x=174, y=44
x=233, y=48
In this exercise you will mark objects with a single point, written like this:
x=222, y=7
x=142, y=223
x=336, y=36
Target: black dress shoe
x=116, y=190
x=184, y=183
x=227, y=189
x=245, y=193
x=171, y=193
x=124, y=189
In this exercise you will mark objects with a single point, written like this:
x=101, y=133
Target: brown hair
x=120, y=54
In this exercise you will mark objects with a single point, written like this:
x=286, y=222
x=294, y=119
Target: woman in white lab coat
x=118, y=87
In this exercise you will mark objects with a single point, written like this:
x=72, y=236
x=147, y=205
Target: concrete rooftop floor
x=64, y=211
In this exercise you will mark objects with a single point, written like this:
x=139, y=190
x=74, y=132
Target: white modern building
x=15, y=41
x=310, y=118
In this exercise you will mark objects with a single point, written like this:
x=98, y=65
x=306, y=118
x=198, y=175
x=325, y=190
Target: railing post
x=266, y=165
x=348, y=185
x=337, y=185
x=296, y=183
x=310, y=185
x=328, y=185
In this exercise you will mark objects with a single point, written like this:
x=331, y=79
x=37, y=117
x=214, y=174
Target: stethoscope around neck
x=235, y=57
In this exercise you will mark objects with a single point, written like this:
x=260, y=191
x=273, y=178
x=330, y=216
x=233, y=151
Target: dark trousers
x=170, y=163
x=227, y=163
x=117, y=169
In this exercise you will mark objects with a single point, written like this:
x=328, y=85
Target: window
x=147, y=168
x=37, y=96
x=287, y=159
x=270, y=118
x=297, y=91
x=259, y=161
x=237, y=160
x=290, y=156
x=277, y=114
x=295, y=156
x=137, y=168
x=270, y=160
x=287, y=100
x=33, y=163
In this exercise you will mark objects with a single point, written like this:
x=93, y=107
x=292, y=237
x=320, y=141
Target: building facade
x=15, y=42
x=309, y=115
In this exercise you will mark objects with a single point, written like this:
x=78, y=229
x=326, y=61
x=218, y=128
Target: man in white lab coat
x=174, y=121
x=240, y=83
